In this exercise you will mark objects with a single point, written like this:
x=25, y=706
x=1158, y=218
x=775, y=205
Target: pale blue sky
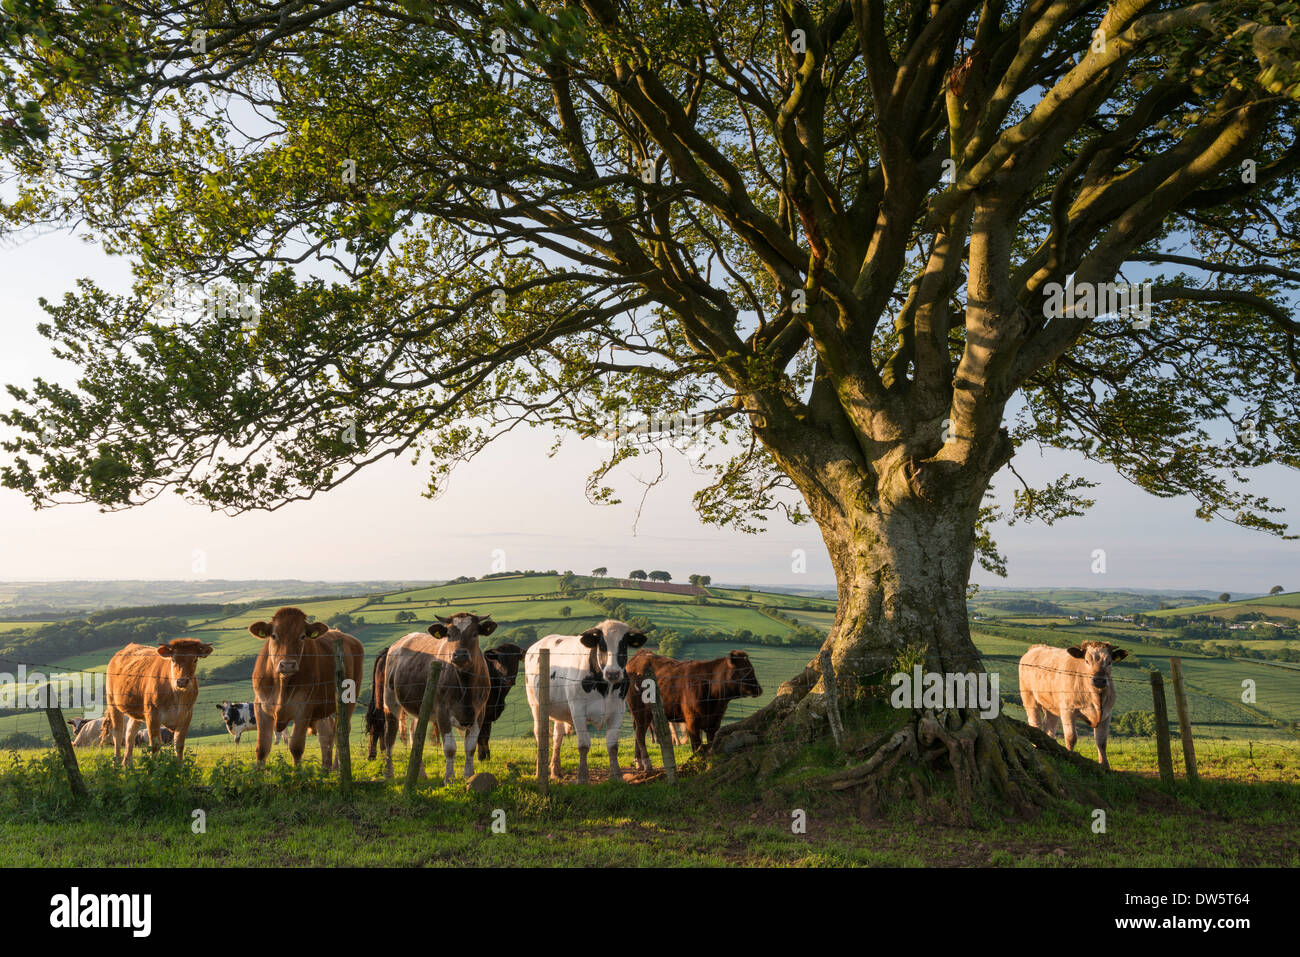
x=515, y=499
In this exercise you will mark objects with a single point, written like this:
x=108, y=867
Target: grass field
x=145, y=816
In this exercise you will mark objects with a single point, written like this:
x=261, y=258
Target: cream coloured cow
x=1069, y=683
x=91, y=732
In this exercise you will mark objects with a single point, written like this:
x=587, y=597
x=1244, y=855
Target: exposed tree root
x=996, y=763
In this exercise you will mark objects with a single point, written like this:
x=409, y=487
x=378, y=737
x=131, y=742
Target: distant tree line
x=78, y=635
x=166, y=611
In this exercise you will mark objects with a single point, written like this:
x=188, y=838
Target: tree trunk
x=901, y=575
x=902, y=566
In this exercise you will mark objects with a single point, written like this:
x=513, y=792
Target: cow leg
x=117, y=725
x=152, y=726
x=612, y=729
x=179, y=734
x=390, y=738
x=1099, y=734
x=265, y=732
x=131, y=727
x=1067, y=728
x=579, y=715
x=556, y=742
x=484, y=752
x=449, y=752
x=297, y=742
x=584, y=745
x=1049, y=723
x=694, y=733
x=325, y=735
x=1032, y=715
x=709, y=732
x=471, y=746
x=639, y=728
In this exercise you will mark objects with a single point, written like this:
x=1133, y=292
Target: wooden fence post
x=422, y=725
x=1184, y=718
x=544, y=709
x=63, y=741
x=662, y=732
x=832, y=697
x=1163, y=756
x=342, y=729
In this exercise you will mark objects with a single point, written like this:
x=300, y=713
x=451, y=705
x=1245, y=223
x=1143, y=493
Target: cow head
x=742, y=674
x=286, y=633
x=503, y=662
x=463, y=630
x=1098, y=656
x=609, y=642
x=184, y=655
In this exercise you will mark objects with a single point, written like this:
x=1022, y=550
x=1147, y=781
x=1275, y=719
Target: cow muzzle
x=182, y=682
x=1100, y=682
x=460, y=658
x=613, y=675
x=287, y=668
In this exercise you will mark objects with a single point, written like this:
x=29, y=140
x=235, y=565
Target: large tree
x=832, y=236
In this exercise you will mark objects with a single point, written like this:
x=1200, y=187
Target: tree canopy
x=842, y=236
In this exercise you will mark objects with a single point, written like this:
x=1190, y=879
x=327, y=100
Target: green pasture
x=279, y=817
x=1286, y=605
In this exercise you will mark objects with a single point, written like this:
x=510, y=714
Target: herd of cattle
x=151, y=691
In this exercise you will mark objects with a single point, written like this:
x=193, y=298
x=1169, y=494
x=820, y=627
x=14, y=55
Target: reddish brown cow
x=696, y=692
x=293, y=681
x=156, y=686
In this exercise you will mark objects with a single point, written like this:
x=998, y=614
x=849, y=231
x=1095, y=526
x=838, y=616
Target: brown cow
x=156, y=686
x=1068, y=683
x=293, y=681
x=463, y=686
x=696, y=692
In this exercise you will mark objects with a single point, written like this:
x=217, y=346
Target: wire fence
x=704, y=685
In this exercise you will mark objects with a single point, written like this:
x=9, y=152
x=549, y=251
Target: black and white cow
x=239, y=717
x=588, y=685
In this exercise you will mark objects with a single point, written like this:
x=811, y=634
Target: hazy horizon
x=517, y=506
x=1001, y=585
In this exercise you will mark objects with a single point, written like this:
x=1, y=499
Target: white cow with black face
x=588, y=685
